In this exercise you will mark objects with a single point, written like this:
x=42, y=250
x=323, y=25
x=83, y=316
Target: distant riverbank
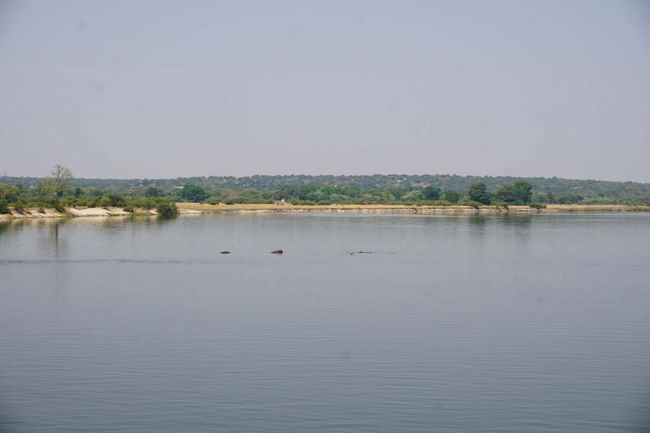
x=203, y=208
x=407, y=209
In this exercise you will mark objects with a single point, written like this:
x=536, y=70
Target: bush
x=4, y=209
x=58, y=206
x=116, y=200
x=69, y=200
x=104, y=201
x=128, y=209
x=19, y=206
x=8, y=192
x=145, y=203
x=167, y=209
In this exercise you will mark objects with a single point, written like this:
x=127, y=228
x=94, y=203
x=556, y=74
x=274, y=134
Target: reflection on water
x=471, y=323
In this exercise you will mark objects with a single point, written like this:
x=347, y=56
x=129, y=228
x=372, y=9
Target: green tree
x=8, y=192
x=56, y=184
x=60, y=178
x=413, y=196
x=152, y=191
x=431, y=192
x=478, y=192
x=192, y=192
x=523, y=192
x=451, y=196
x=507, y=193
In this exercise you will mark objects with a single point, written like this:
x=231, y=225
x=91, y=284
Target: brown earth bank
x=407, y=209
x=71, y=212
x=202, y=208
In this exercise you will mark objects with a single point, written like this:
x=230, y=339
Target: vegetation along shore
x=61, y=195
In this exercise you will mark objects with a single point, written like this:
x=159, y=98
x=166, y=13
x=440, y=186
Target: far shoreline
x=186, y=208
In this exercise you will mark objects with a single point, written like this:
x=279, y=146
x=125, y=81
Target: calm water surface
x=451, y=324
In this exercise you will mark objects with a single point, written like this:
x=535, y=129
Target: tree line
x=55, y=191
x=60, y=189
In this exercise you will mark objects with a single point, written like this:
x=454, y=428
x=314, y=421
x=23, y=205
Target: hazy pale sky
x=182, y=88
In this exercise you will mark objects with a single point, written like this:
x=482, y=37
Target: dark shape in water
x=224, y=252
x=277, y=252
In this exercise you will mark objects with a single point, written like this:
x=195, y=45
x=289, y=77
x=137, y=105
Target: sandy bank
x=202, y=208
x=94, y=212
x=405, y=209
x=35, y=213
x=596, y=208
x=351, y=208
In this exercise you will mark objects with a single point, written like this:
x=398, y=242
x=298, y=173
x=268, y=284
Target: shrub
x=128, y=209
x=8, y=192
x=145, y=203
x=116, y=200
x=19, y=206
x=58, y=206
x=104, y=201
x=69, y=200
x=167, y=209
x=4, y=209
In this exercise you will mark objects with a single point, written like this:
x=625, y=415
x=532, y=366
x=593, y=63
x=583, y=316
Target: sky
x=165, y=89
